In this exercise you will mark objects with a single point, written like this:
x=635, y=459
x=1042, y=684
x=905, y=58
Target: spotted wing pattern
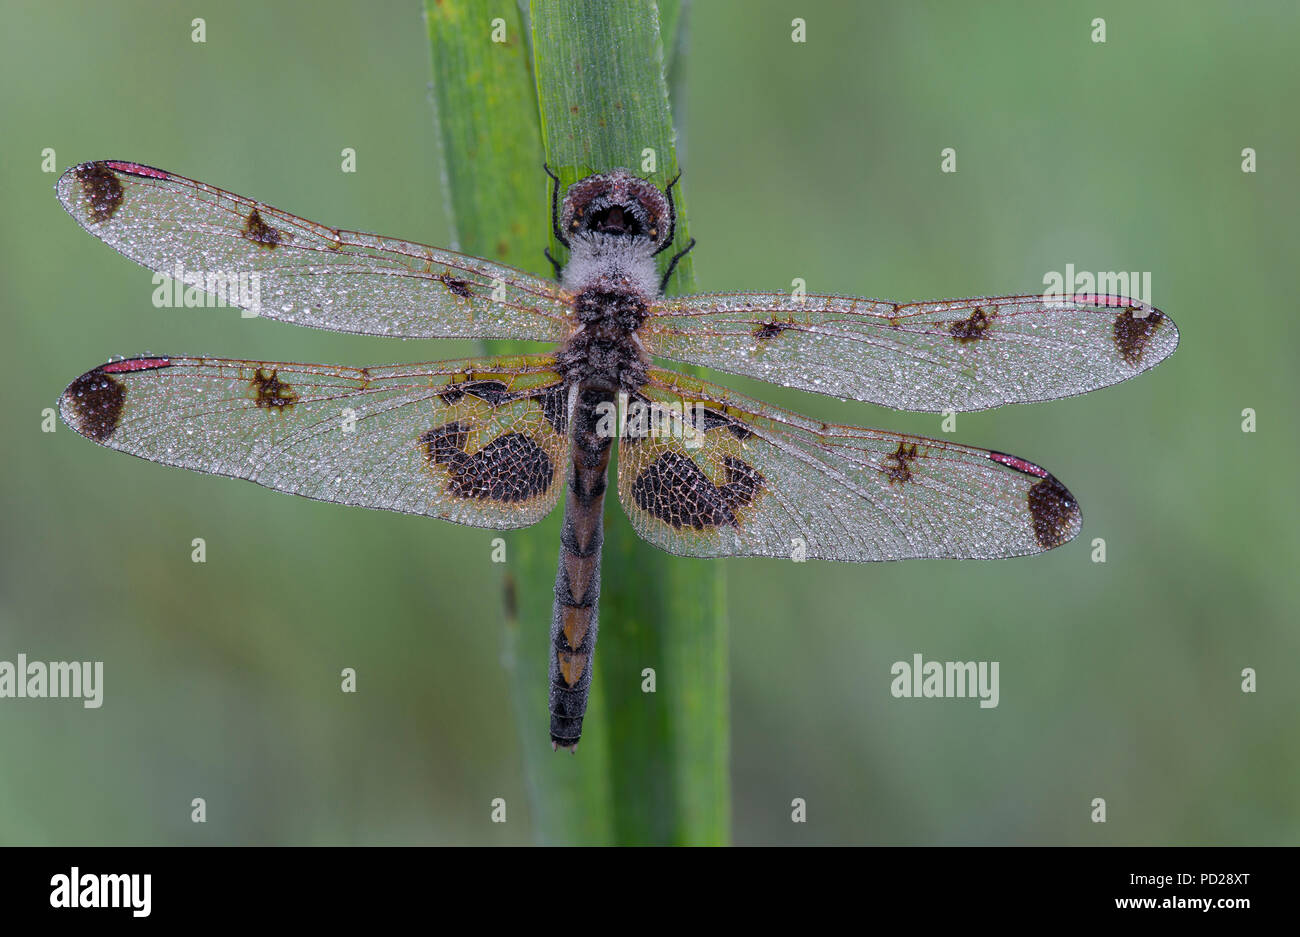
x=712, y=473
x=284, y=267
x=960, y=354
x=479, y=441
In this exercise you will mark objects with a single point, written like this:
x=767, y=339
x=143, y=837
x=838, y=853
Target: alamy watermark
x=79, y=889
x=951, y=679
x=58, y=679
x=643, y=419
x=191, y=289
x=1105, y=288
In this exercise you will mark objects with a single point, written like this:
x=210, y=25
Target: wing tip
x=92, y=191
x=92, y=404
x=1055, y=515
x=1057, y=518
x=1147, y=339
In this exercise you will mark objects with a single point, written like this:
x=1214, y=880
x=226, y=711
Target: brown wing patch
x=769, y=330
x=444, y=444
x=898, y=464
x=101, y=189
x=713, y=419
x=457, y=286
x=675, y=490
x=744, y=483
x=489, y=391
x=510, y=469
x=973, y=327
x=271, y=393
x=93, y=404
x=1055, y=513
x=555, y=408
x=1133, y=334
x=259, y=232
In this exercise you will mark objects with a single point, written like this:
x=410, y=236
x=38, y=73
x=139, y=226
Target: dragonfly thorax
x=604, y=352
x=614, y=224
x=610, y=263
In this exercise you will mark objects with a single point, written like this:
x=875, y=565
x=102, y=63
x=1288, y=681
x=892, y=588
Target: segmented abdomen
x=577, y=580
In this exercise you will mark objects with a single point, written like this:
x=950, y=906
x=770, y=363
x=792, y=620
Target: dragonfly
x=494, y=441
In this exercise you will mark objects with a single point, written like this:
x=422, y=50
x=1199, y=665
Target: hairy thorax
x=613, y=281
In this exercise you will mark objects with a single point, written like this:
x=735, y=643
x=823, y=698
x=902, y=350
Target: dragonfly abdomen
x=577, y=580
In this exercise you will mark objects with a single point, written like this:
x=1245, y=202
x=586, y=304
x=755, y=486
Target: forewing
x=284, y=267
x=479, y=442
x=758, y=481
x=958, y=354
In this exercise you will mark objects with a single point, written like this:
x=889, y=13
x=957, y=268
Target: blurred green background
x=818, y=160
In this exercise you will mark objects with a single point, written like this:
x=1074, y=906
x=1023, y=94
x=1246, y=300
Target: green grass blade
x=604, y=103
x=672, y=31
x=652, y=768
x=486, y=111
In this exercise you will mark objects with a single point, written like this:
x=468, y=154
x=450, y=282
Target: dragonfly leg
x=663, y=284
x=672, y=217
x=555, y=207
x=554, y=263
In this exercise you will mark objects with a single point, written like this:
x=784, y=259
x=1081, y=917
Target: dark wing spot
x=444, y=444
x=271, y=393
x=744, y=483
x=675, y=490
x=509, y=469
x=973, y=327
x=1055, y=513
x=92, y=404
x=493, y=392
x=713, y=419
x=259, y=232
x=898, y=464
x=101, y=189
x=555, y=408
x=459, y=287
x=766, y=330
x=1132, y=335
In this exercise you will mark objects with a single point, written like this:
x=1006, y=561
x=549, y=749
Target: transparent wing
x=718, y=474
x=478, y=441
x=959, y=354
x=287, y=268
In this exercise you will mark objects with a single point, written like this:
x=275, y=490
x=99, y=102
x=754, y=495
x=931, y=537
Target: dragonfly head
x=616, y=203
